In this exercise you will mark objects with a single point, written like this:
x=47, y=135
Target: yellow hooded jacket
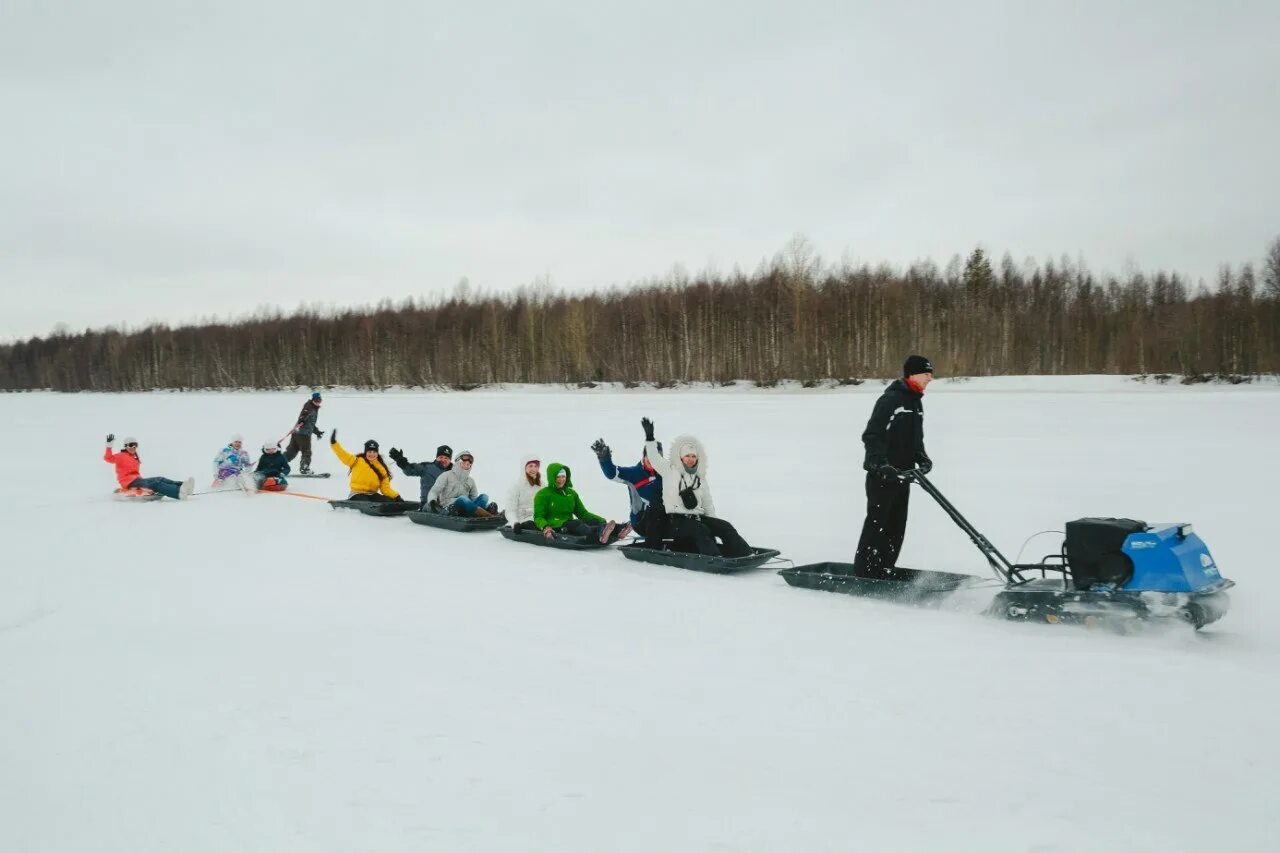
x=366, y=477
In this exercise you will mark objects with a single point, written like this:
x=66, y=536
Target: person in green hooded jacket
x=558, y=509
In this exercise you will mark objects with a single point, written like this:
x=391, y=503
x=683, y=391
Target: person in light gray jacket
x=456, y=493
x=686, y=496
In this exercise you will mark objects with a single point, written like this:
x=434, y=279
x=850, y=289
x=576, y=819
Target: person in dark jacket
x=428, y=472
x=644, y=487
x=894, y=441
x=272, y=471
x=300, y=438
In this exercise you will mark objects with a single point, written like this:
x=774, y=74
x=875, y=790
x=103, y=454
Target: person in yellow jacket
x=370, y=475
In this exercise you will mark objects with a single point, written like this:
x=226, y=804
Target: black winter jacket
x=273, y=464
x=307, y=419
x=895, y=432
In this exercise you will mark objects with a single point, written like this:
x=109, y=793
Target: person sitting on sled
x=370, y=476
x=300, y=436
x=894, y=442
x=273, y=469
x=686, y=495
x=558, y=509
x=520, y=498
x=129, y=475
x=455, y=493
x=427, y=472
x=231, y=465
x=644, y=486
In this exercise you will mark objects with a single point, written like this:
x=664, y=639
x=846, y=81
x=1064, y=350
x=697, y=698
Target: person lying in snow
x=644, y=486
x=558, y=509
x=230, y=465
x=455, y=493
x=427, y=472
x=273, y=468
x=129, y=475
x=520, y=498
x=686, y=495
x=370, y=476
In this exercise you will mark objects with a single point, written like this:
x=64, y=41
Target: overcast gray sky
x=171, y=160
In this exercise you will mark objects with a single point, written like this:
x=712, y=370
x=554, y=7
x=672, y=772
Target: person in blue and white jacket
x=644, y=486
x=231, y=466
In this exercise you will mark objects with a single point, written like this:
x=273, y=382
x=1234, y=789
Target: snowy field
x=265, y=673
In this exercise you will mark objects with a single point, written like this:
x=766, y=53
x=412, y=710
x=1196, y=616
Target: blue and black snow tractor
x=1108, y=571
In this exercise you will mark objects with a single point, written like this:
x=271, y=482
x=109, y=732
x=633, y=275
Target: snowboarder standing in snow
x=894, y=441
x=273, y=468
x=455, y=493
x=231, y=464
x=686, y=495
x=370, y=476
x=558, y=509
x=128, y=472
x=520, y=498
x=300, y=438
x=428, y=472
x=644, y=487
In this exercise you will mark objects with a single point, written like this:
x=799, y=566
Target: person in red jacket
x=129, y=475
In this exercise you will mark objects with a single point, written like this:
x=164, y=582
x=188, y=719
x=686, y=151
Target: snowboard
x=312, y=476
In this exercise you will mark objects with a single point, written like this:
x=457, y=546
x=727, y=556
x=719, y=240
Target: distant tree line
x=794, y=318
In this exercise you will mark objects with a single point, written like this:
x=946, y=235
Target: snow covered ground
x=264, y=673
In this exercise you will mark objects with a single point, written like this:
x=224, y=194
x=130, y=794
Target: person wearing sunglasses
x=456, y=493
x=370, y=475
x=129, y=474
x=520, y=498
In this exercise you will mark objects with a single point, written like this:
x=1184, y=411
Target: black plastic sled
x=698, y=562
x=461, y=523
x=902, y=585
x=379, y=508
x=559, y=540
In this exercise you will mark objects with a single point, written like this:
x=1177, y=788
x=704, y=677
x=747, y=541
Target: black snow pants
x=652, y=523
x=885, y=527
x=298, y=443
x=698, y=534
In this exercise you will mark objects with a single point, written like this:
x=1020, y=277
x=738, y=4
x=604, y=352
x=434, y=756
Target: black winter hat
x=370, y=445
x=916, y=364
x=444, y=450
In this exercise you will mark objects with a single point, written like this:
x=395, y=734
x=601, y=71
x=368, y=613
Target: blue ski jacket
x=643, y=488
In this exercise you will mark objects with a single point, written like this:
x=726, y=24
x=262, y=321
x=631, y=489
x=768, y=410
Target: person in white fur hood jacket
x=686, y=495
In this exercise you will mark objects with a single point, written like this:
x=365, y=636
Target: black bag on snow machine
x=1093, y=550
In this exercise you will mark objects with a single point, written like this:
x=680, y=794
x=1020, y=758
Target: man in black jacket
x=894, y=439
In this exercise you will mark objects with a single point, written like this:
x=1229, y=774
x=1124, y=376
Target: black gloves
x=882, y=467
x=111, y=436
x=601, y=449
x=434, y=506
x=648, y=428
x=397, y=456
x=333, y=436
x=924, y=464
x=319, y=433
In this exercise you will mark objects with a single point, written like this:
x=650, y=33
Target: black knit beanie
x=916, y=364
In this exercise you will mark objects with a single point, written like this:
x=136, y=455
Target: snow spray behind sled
x=1108, y=570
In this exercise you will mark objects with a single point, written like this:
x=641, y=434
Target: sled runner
x=129, y=495
x=1109, y=571
x=664, y=556
x=379, y=508
x=461, y=523
x=559, y=540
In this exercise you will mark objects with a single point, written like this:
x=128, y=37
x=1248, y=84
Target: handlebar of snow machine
x=998, y=562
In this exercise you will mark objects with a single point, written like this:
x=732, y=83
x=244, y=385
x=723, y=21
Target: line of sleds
x=1110, y=572
x=667, y=555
